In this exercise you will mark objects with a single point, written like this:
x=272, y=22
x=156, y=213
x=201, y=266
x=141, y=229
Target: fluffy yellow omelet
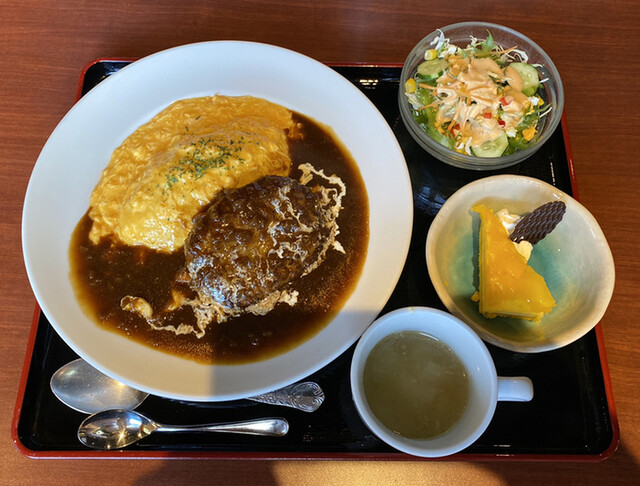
x=166, y=171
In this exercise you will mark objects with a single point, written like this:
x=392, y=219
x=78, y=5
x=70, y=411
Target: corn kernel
x=528, y=133
x=410, y=86
x=430, y=54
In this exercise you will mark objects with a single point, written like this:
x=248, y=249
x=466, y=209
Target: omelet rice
x=165, y=172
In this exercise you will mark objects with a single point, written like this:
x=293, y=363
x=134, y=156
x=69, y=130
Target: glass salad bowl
x=454, y=134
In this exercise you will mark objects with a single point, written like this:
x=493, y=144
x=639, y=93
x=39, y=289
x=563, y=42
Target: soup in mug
x=415, y=385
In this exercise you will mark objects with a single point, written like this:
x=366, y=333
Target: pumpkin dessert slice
x=508, y=286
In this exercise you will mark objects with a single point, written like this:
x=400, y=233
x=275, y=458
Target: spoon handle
x=273, y=427
x=306, y=396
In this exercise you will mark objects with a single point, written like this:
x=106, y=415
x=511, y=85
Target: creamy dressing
x=468, y=94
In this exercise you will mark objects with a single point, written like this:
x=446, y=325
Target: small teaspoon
x=115, y=429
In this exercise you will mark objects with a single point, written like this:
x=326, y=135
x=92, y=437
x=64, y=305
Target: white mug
x=485, y=387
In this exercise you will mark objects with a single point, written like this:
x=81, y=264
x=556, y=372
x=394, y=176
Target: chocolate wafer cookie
x=537, y=224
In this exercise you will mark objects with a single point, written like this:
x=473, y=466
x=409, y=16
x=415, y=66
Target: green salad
x=481, y=100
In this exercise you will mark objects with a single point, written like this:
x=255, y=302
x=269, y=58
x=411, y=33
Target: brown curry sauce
x=102, y=274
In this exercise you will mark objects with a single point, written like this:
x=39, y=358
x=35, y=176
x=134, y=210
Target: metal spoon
x=114, y=429
x=306, y=396
x=85, y=389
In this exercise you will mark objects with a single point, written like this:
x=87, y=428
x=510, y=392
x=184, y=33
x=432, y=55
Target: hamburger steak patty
x=252, y=241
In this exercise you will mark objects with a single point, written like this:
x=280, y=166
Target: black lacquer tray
x=571, y=418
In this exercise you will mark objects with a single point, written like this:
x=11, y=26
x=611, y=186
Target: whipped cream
x=509, y=221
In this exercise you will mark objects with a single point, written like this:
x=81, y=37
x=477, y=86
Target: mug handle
x=515, y=389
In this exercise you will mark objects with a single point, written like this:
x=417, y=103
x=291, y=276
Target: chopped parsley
x=201, y=156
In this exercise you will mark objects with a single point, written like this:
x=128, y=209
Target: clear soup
x=415, y=385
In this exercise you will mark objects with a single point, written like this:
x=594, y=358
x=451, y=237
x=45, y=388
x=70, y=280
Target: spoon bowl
x=115, y=429
x=83, y=388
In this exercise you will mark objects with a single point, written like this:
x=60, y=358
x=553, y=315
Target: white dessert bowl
x=574, y=259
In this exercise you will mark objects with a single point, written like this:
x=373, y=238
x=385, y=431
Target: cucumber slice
x=492, y=148
x=432, y=69
x=529, y=75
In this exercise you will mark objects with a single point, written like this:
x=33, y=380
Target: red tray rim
x=391, y=456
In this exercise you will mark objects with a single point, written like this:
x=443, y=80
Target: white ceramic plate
x=81, y=145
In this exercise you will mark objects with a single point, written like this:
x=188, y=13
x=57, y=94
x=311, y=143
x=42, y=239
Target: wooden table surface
x=44, y=46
